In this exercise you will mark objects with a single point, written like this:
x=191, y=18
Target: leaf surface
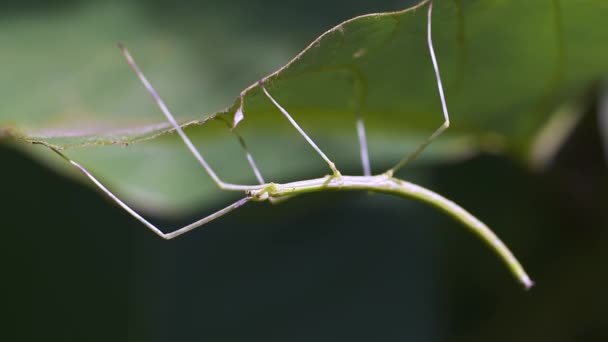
x=506, y=66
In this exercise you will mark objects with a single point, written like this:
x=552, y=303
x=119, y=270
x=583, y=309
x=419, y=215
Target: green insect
x=384, y=182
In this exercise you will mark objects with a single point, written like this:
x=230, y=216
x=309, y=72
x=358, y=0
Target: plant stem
x=387, y=184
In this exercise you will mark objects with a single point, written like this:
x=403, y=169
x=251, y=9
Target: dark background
x=324, y=267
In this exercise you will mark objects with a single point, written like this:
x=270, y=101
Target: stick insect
x=384, y=182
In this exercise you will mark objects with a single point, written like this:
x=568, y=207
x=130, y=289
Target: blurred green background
x=336, y=266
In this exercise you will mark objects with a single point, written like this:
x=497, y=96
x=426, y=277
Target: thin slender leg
x=254, y=166
x=252, y=163
x=157, y=231
x=367, y=171
x=446, y=116
x=332, y=166
x=221, y=184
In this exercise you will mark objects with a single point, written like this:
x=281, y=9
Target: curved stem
x=387, y=184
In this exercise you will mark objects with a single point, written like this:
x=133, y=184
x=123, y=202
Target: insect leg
x=446, y=116
x=252, y=163
x=221, y=184
x=332, y=166
x=367, y=171
x=360, y=93
x=157, y=231
x=254, y=167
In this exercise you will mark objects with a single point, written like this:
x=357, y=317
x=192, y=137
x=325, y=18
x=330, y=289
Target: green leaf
x=506, y=66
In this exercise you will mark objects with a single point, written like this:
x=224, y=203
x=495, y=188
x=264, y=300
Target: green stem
x=387, y=184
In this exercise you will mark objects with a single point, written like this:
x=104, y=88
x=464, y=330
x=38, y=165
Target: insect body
x=384, y=182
